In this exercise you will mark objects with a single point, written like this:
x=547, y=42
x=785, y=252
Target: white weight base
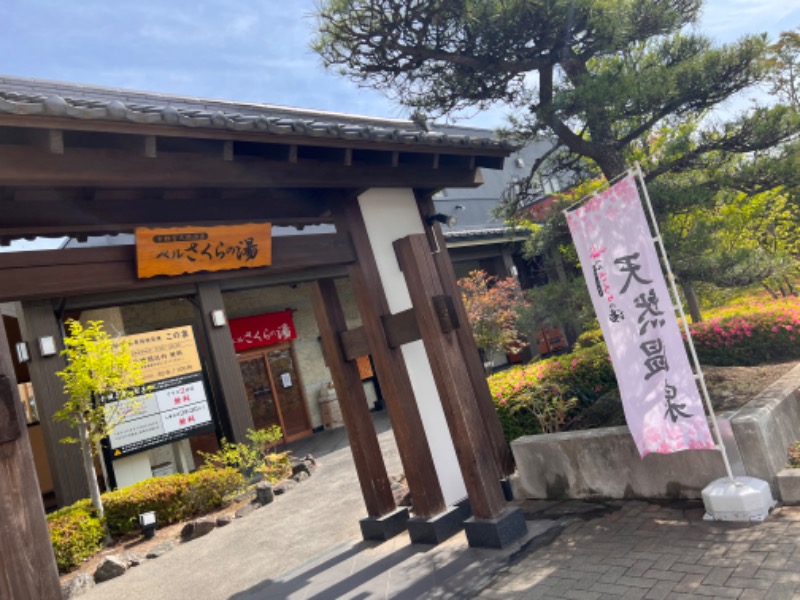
x=739, y=499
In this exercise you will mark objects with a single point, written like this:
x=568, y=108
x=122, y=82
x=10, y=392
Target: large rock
x=160, y=550
x=300, y=467
x=245, y=510
x=77, y=586
x=132, y=559
x=224, y=520
x=264, y=493
x=285, y=486
x=195, y=529
x=310, y=462
x=110, y=568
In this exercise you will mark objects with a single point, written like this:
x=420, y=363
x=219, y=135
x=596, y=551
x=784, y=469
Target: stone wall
x=604, y=463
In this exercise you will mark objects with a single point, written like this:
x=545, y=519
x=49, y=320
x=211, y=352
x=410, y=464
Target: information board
x=176, y=405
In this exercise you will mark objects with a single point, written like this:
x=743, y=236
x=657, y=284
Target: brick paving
x=636, y=550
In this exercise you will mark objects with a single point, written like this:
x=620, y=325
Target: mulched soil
x=730, y=388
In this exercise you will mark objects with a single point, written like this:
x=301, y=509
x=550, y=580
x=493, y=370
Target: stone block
x=195, y=529
x=789, y=485
x=438, y=528
x=245, y=510
x=109, y=568
x=386, y=527
x=77, y=586
x=264, y=493
x=498, y=532
x=160, y=550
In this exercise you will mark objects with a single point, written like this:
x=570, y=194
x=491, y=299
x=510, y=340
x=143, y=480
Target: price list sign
x=176, y=405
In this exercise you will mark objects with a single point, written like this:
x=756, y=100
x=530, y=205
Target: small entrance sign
x=262, y=330
x=181, y=250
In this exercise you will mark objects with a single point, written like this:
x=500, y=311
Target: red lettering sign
x=262, y=330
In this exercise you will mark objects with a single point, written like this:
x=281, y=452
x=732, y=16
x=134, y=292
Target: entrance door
x=274, y=390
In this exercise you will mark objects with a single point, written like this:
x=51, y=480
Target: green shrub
x=173, y=498
x=254, y=456
x=750, y=333
x=76, y=534
x=589, y=338
x=585, y=374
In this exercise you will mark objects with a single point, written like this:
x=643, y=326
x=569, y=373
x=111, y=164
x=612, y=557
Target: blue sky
x=245, y=50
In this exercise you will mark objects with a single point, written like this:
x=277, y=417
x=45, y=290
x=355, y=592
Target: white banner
x=619, y=261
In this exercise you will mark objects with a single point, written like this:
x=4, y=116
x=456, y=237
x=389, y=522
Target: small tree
x=102, y=381
x=493, y=306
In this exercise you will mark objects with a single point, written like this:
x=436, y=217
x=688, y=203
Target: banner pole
x=676, y=302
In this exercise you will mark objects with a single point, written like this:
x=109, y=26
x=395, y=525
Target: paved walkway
x=641, y=550
x=307, y=545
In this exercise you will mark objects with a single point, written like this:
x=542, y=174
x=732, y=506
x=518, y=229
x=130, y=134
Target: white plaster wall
x=391, y=214
x=132, y=469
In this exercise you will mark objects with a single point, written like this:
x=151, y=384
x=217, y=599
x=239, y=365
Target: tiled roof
x=25, y=96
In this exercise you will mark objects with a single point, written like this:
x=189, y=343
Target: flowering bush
x=548, y=387
x=493, y=306
x=750, y=333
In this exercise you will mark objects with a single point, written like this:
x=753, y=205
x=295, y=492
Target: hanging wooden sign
x=181, y=250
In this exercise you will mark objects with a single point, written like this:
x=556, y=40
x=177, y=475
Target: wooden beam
x=469, y=351
x=400, y=328
x=79, y=271
x=354, y=343
x=479, y=468
x=24, y=166
x=27, y=564
x=371, y=470
x=69, y=211
x=227, y=150
x=49, y=140
x=48, y=122
x=409, y=431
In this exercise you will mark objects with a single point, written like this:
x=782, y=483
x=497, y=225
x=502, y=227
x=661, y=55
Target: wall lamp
x=47, y=346
x=23, y=353
x=449, y=220
x=218, y=318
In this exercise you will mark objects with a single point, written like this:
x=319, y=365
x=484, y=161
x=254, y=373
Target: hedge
x=173, y=498
x=585, y=374
x=77, y=533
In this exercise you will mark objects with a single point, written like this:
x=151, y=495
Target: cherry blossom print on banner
x=662, y=405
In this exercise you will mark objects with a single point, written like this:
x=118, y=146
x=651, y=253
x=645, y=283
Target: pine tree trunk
x=691, y=301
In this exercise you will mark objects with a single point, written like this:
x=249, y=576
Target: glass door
x=258, y=387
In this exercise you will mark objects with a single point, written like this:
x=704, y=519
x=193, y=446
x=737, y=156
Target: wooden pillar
x=477, y=375
x=412, y=444
x=38, y=320
x=27, y=564
x=453, y=382
x=371, y=470
x=226, y=366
